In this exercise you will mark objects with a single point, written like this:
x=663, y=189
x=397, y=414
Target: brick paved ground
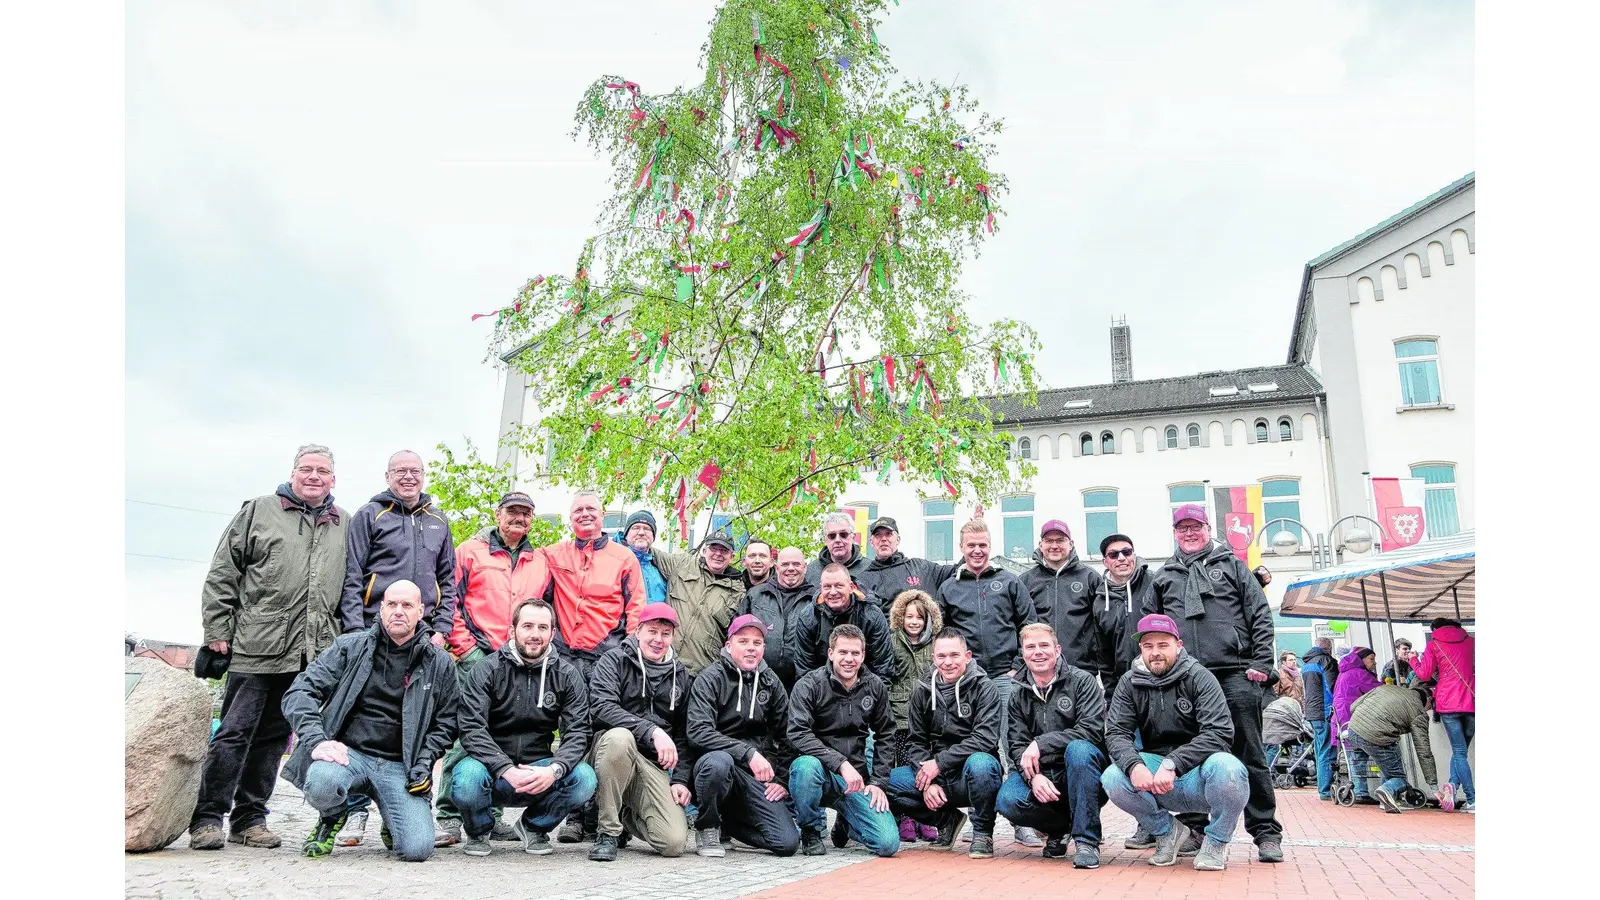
x=1348, y=853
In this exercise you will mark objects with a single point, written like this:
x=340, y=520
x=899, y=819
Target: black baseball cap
x=515, y=498
x=719, y=539
x=1110, y=539
x=883, y=522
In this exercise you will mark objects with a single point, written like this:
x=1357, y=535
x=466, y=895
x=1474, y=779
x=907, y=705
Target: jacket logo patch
x=913, y=580
x=1216, y=575
x=1184, y=706
x=994, y=586
x=866, y=704
x=964, y=710
x=1077, y=585
x=546, y=700
x=761, y=698
x=1064, y=704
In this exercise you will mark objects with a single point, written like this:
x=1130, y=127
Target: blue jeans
x=1002, y=686
x=976, y=786
x=1460, y=727
x=1360, y=768
x=1076, y=813
x=1388, y=760
x=812, y=788
x=329, y=787
x=1323, y=742
x=1219, y=786
x=474, y=796
x=1272, y=751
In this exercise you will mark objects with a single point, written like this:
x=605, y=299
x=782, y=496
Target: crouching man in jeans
x=831, y=710
x=511, y=707
x=370, y=716
x=1179, y=709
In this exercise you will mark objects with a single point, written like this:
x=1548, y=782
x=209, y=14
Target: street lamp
x=1286, y=543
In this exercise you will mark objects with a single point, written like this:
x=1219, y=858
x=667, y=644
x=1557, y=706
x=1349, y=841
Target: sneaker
x=1447, y=797
x=1167, y=845
x=1191, y=844
x=1270, y=850
x=354, y=830
x=604, y=849
x=708, y=843
x=950, y=832
x=572, y=830
x=503, y=832
x=207, y=837
x=1085, y=856
x=927, y=833
x=1468, y=807
x=385, y=836
x=908, y=830
x=841, y=830
x=1386, y=800
x=256, y=836
x=476, y=846
x=982, y=846
x=322, y=838
x=1139, y=840
x=1027, y=837
x=1213, y=856
x=811, y=843
x=1054, y=847
x=448, y=833
x=534, y=841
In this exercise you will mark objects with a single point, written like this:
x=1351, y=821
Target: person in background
x=1289, y=683
x=705, y=589
x=891, y=573
x=1357, y=676
x=1448, y=661
x=1378, y=719
x=838, y=546
x=638, y=535
x=1263, y=576
x=757, y=562
x=914, y=619
x=779, y=602
x=1398, y=670
x=1317, y=700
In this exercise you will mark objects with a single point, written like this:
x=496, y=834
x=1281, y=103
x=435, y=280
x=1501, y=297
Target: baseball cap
x=719, y=539
x=1055, y=525
x=1110, y=539
x=1190, y=511
x=515, y=498
x=747, y=621
x=661, y=611
x=1158, y=623
x=884, y=522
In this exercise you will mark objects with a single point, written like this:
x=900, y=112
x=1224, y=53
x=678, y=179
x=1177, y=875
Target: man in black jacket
x=1064, y=592
x=779, y=602
x=1123, y=591
x=839, y=545
x=954, y=728
x=738, y=720
x=891, y=572
x=841, y=603
x=513, y=704
x=831, y=711
x=1227, y=626
x=639, y=702
x=1179, y=709
x=371, y=715
x=1056, y=743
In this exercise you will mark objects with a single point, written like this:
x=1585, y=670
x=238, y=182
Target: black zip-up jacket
x=988, y=609
x=816, y=622
x=856, y=564
x=831, y=723
x=779, y=608
x=1235, y=632
x=628, y=691
x=1065, y=601
x=319, y=701
x=950, y=722
x=1181, y=715
x=510, y=711
x=742, y=714
x=1070, y=708
x=386, y=543
x=1119, y=620
x=886, y=579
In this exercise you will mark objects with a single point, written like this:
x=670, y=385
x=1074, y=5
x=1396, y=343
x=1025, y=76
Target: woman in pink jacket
x=1448, y=662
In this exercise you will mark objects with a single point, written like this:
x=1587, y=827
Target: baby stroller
x=1296, y=763
x=1344, y=791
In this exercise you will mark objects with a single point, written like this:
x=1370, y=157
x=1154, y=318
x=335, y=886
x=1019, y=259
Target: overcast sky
x=318, y=199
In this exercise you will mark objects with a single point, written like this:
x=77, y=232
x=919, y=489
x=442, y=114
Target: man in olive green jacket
x=705, y=590
x=270, y=604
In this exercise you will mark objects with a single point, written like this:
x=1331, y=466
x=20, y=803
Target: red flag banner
x=1238, y=518
x=1399, y=506
x=709, y=476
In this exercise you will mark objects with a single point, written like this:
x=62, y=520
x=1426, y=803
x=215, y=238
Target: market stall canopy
x=1420, y=583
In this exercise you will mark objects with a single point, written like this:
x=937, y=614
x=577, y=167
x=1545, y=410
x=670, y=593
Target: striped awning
x=1434, y=578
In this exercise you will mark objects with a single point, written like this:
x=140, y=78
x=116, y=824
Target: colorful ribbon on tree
x=983, y=193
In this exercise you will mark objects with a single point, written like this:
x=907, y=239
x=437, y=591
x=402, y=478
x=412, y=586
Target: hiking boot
x=448, y=833
x=1168, y=845
x=908, y=830
x=1447, y=797
x=1191, y=844
x=476, y=845
x=604, y=849
x=503, y=832
x=355, y=828
x=572, y=830
x=841, y=830
x=1387, y=800
x=534, y=841
x=322, y=838
x=708, y=843
x=256, y=836
x=1027, y=837
x=1139, y=840
x=1270, y=850
x=950, y=832
x=1213, y=855
x=811, y=843
x=1085, y=856
x=982, y=846
x=207, y=837
x=622, y=839
x=1054, y=847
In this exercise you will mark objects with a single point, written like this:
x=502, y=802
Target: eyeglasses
x=837, y=535
x=415, y=473
x=309, y=470
x=1119, y=554
x=1188, y=529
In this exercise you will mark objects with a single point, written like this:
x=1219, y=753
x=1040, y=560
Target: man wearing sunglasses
x=839, y=545
x=1123, y=593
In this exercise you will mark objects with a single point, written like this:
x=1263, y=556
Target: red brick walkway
x=1331, y=852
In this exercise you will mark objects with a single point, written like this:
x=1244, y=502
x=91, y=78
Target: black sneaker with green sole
x=320, y=842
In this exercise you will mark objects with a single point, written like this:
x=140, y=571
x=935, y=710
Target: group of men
x=636, y=693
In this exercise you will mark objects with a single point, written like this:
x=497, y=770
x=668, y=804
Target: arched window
x=1108, y=442
x=1086, y=445
x=1262, y=435
x=1285, y=429
x=1025, y=448
x=1194, y=435
x=1172, y=437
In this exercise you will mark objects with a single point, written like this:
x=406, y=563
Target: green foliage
x=726, y=333
x=468, y=488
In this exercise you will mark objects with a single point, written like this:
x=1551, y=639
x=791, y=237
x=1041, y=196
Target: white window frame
x=1024, y=448
x=955, y=550
x=1006, y=516
x=1192, y=439
x=1169, y=438
x=1438, y=369
x=1093, y=552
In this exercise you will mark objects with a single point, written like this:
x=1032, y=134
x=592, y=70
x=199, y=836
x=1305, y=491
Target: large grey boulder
x=166, y=725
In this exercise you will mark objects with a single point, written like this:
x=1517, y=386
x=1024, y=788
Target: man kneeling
x=370, y=716
x=738, y=716
x=954, y=721
x=1178, y=707
x=1056, y=742
x=507, y=727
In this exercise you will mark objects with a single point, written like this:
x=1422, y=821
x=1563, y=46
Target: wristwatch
x=1168, y=764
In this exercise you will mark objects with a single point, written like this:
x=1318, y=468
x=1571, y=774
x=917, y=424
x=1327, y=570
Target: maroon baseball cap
x=1190, y=511
x=661, y=611
x=1055, y=525
x=747, y=621
x=1159, y=623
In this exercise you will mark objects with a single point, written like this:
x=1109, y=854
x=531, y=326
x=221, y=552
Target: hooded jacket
x=988, y=609
x=741, y=713
x=1072, y=707
x=1119, y=611
x=1181, y=714
x=1354, y=680
x=489, y=584
x=1065, y=600
x=319, y=701
x=1231, y=628
x=1315, y=674
x=1388, y=712
x=913, y=658
x=886, y=579
x=385, y=543
x=856, y=564
x=779, y=609
x=1448, y=660
x=511, y=709
x=830, y=722
x=597, y=591
x=816, y=622
x=628, y=691
x=950, y=722
x=705, y=604
x=273, y=588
